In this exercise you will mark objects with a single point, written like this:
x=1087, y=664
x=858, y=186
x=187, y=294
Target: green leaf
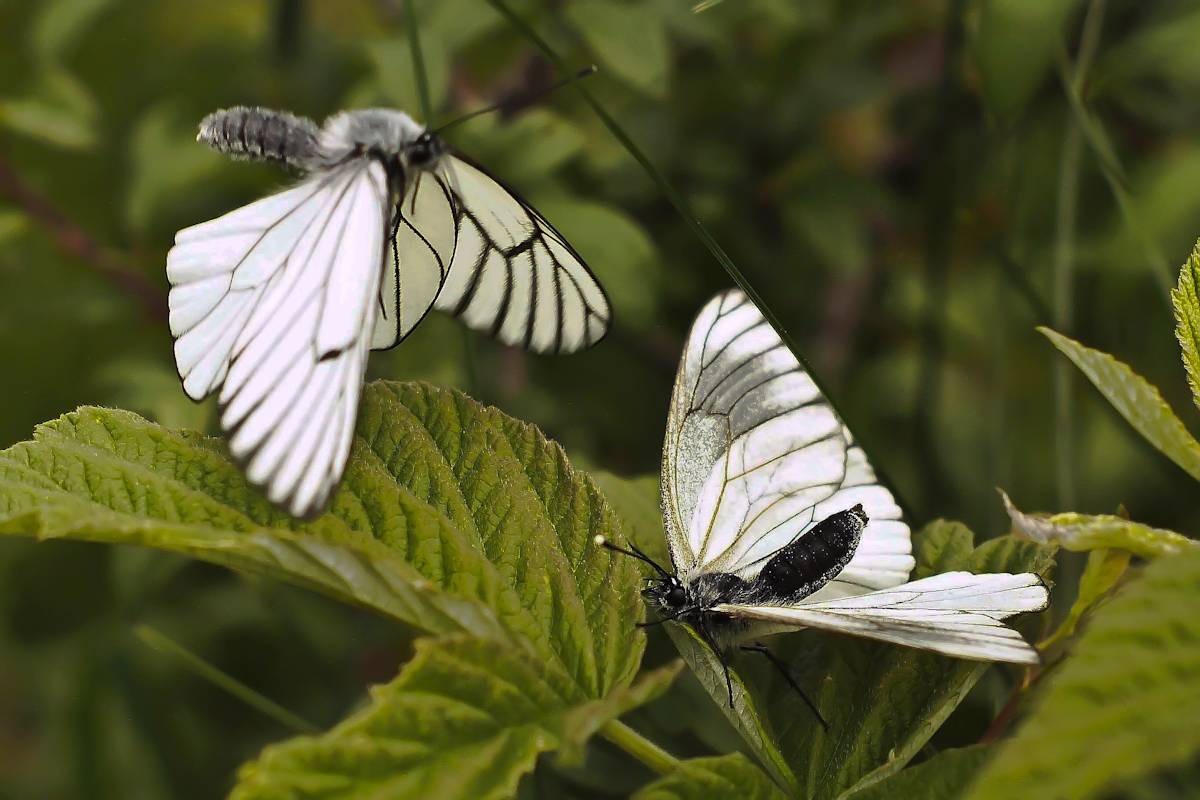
x=465, y=718
x=452, y=517
x=617, y=248
x=1015, y=46
x=628, y=38
x=882, y=702
x=1138, y=401
x=1124, y=705
x=1104, y=568
x=1187, y=317
x=943, y=777
x=730, y=777
x=1092, y=531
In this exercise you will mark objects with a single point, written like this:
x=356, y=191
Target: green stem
x=639, y=747
x=680, y=205
x=419, y=74
x=1064, y=259
x=1064, y=298
x=198, y=665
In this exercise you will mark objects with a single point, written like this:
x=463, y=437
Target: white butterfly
x=775, y=521
x=274, y=306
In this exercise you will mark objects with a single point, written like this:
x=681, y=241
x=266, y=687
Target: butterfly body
x=275, y=306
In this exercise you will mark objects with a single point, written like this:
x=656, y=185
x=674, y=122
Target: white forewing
x=422, y=251
x=512, y=275
x=755, y=456
x=955, y=613
x=275, y=304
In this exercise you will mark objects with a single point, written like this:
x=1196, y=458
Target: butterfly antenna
x=517, y=101
x=787, y=676
x=635, y=553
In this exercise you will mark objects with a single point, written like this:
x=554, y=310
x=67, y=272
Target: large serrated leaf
x=1186, y=297
x=452, y=517
x=943, y=777
x=1136, y=399
x=464, y=719
x=730, y=777
x=1124, y=705
x=882, y=702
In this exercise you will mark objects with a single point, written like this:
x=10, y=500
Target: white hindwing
x=511, y=274
x=955, y=613
x=755, y=456
x=274, y=304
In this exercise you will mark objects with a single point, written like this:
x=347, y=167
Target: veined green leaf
x=1137, y=400
x=1187, y=316
x=730, y=777
x=1092, y=531
x=1124, y=705
x=451, y=517
x=464, y=719
x=943, y=777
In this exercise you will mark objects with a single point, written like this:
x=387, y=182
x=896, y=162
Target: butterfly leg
x=763, y=650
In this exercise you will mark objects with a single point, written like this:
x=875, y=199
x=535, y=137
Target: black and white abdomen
x=261, y=134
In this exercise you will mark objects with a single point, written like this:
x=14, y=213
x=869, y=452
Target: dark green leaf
x=1124, y=705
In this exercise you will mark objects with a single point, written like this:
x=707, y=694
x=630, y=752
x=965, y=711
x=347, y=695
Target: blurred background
x=913, y=186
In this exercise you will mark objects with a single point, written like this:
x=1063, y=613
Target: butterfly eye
x=676, y=597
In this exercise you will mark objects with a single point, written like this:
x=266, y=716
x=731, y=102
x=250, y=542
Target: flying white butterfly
x=775, y=521
x=274, y=306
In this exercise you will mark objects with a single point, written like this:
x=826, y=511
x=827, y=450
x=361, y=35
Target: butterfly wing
x=423, y=242
x=955, y=613
x=512, y=275
x=755, y=456
x=274, y=305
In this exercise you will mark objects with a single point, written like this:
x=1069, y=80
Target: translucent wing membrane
x=511, y=274
x=955, y=613
x=755, y=456
x=274, y=305
x=423, y=241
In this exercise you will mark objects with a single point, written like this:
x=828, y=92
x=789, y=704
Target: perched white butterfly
x=274, y=306
x=775, y=521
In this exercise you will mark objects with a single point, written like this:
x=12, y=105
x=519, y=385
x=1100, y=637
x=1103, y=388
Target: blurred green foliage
x=890, y=176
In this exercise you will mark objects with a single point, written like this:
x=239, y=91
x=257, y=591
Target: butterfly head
x=424, y=151
x=668, y=593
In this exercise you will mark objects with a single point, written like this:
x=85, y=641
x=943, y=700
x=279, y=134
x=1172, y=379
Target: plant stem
x=419, y=74
x=639, y=747
x=210, y=673
x=1064, y=299
x=1064, y=260
x=682, y=208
